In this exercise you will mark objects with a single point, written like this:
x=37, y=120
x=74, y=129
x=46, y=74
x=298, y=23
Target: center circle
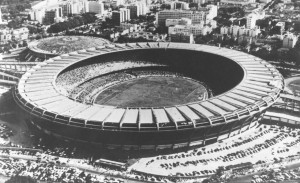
x=153, y=92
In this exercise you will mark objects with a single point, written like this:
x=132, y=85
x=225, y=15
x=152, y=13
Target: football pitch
x=152, y=92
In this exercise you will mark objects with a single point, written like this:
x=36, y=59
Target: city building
x=118, y=2
x=242, y=31
x=120, y=16
x=19, y=34
x=224, y=30
x=281, y=25
x=143, y=8
x=182, y=38
x=211, y=11
x=245, y=39
x=253, y=17
x=131, y=27
x=289, y=41
x=37, y=11
x=264, y=1
x=48, y=11
x=200, y=1
x=134, y=10
x=237, y=2
x=181, y=21
x=96, y=7
x=251, y=21
x=70, y=7
x=198, y=29
x=179, y=5
x=137, y=9
x=0, y=16
x=238, y=31
x=52, y=15
x=196, y=16
x=148, y=35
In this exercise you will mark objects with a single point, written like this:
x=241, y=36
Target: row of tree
x=73, y=22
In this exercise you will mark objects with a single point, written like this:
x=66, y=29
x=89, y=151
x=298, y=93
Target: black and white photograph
x=149, y=91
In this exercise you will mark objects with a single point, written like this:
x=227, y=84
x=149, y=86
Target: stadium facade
x=244, y=87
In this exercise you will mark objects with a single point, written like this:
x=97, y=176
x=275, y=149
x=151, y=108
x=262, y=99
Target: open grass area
x=66, y=44
x=152, y=92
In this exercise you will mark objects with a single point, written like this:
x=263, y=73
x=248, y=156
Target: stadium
x=207, y=94
x=43, y=49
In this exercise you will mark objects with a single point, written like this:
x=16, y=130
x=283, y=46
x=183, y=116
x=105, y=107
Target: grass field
x=152, y=92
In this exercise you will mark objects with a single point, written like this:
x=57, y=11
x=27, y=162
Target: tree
x=20, y=7
x=297, y=45
x=293, y=55
x=193, y=5
x=206, y=181
x=13, y=24
x=21, y=179
x=244, y=43
x=220, y=171
x=165, y=6
x=262, y=53
x=199, y=40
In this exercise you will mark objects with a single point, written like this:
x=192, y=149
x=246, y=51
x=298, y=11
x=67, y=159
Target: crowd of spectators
x=70, y=79
x=92, y=87
x=87, y=91
x=147, y=73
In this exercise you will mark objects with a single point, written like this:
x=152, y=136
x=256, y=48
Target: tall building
x=37, y=11
x=96, y=7
x=134, y=10
x=143, y=8
x=70, y=7
x=211, y=12
x=234, y=30
x=0, y=16
x=51, y=15
x=120, y=16
x=179, y=5
x=224, y=30
x=86, y=7
x=251, y=21
x=137, y=9
x=197, y=17
x=252, y=18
